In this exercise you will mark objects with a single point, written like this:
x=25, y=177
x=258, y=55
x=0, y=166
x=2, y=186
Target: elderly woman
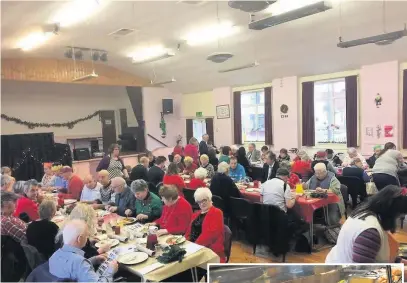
x=124, y=198
x=293, y=178
x=176, y=215
x=191, y=150
x=173, y=178
x=352, y=154
x=148, y=205
x=190, y=166
x=140, y=170
x=6, y=183
x=364, y=235
x=385, y=170
x=48, y=178
x=206, y=228
x=85, y=213
x=302, y=165
x=198, y=182
x=372, y=159
x=113, y=163
x=41, y=233
x=178, y=160
x=283, y=155
x=223, y=186
x=225, y=154
x=324, y=181
x=28, y=202
x=207, y=166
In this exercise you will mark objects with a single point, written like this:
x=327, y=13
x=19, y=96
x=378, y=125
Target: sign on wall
x=222, y=111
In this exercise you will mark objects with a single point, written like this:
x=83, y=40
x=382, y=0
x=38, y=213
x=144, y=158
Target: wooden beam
x=63, y=71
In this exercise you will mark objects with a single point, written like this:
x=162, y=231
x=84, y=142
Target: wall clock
x=284, y=109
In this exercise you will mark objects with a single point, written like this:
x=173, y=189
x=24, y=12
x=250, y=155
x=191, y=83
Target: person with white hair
x=353, y=154
x=28, y=202
x=6, y=183
x=223, y=186
x=91, y=190
x=198, y=182
x=324, y=181
x=203, y=145
x=206, y=228
x=124, y=199
x=69, y=262
x=207, y=166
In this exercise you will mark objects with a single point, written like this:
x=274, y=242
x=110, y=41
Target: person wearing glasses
x=207, y=228
x=125, y=202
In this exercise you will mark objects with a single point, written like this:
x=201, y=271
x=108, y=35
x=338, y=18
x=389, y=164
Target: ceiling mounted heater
x=162, y=82
x=290, y=15
x=250, y=6
x=251, y=65
x=93, y=75
x=219, y=57
x=382, y=39
x=163, y=56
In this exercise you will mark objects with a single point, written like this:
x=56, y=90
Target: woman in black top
x=242, y=159
x=41, y=233
x=212, y=158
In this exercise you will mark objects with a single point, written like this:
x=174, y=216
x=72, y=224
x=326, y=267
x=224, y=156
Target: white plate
x=111, y=242
x=57, y=219
x=132, y=258
x=185, y=176
x=180, y=240
x=69, y=201
x=249, y=190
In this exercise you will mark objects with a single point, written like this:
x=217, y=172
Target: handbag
x=371, y=188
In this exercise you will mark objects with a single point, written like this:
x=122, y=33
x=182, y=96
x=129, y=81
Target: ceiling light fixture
x=163, y=82
x=290, y=15
x=250, y=6
x=151, y=54
x=211, y=33
x=33, y=40
x=381, y=39
x=93, y=75
x=251, y=65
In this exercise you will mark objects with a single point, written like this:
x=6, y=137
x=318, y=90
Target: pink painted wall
x=152, y=107
x=285, y=129
x=380, y=78
x=223, y=128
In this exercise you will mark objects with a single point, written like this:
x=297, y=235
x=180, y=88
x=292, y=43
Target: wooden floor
x=243, y=253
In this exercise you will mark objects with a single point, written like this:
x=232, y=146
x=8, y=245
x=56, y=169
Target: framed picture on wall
x=222, y=111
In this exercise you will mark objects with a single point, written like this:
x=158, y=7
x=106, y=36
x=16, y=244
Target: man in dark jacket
x=124, y=198
x=203, y=145
x=156, y=173
x=270, y=167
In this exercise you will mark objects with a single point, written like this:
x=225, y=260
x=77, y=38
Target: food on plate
x=111, y=242
x=175, y=240
x=126, y=221
x=395, y=272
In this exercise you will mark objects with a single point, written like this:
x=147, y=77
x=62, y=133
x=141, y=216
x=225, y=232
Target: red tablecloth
x=303, y=206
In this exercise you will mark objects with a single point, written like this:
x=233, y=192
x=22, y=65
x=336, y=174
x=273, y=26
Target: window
x=330, y=111
x=198, y=128
x=253, y=116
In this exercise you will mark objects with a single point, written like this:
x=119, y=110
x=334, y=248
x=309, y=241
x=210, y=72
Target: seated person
x=372, y=159
x=124, y=198
x=48, y=178
x=333, y=159
x=206, y=165
x=28, y=202
x=107, y=195
x=10, y=225
x=253, y=155
x=242, y=159
x=190, y=166
x=176, y=215
x=352, y=154
x=225, y=153
x=293, y=178
x=283, y=155
x=173, y=178
x=356, y=170
x=156, y=173
x=270, y=167
x=91, y=190
x=198, y=182
x=213, y=159
x=207, y=228
x=178, y=161
x=236, y=171
x=140, y=171
x=277, y=192
x=69, y=262
x=324, y=181
x=59, y=182
x=41, y=233
x=148, y=206
x=320, y=157
x=302, y=165
x=7, y=183
x=75, y=183
x=264, y=153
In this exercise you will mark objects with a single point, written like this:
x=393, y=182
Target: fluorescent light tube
x=162, y=82
x=290, y=15
x=86, y=77
x=251, y=65
x=152, y=59
x=386, y=37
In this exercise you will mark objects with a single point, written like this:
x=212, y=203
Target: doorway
x=198, y=128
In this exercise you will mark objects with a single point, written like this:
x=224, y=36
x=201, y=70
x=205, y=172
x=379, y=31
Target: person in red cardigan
x=302, y=166
x=191, y=150
x=173, y=178
x=207, y=227
x=75, y=183
x=176, y=215
x=198, y=182
x=178, y=149
x=293, y=178
x=28, y=202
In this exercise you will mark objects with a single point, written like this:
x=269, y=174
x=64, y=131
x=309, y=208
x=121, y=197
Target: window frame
x=257, y=91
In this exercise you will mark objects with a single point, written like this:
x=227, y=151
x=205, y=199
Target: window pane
x=253, y=116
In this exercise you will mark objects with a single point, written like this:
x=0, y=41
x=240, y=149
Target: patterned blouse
x=115, y=168
x=210, y=169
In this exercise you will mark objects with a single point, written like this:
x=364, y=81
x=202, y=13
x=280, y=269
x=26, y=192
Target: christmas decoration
x=32, y=125
x=29, y=153
x=163, y=126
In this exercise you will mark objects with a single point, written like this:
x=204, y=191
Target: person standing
x=385, y=170
x=173, y=178
x=178, y=149
x=113, y=163
x=156, y=173
x=191, y=150
x=140, y=171
x=203, y=145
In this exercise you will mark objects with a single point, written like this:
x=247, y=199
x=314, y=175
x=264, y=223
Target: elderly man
x=352, y=154
x=75, y=183
x=124, y=199
x=277, y=192
x=253, y=155
x=178, y=161
x=148, y=205
x=140, y=170
x=322, y=182
x=69, y=262
x=10, y=225
x=236, y=171
x=91, y=190
x=321, y=157
x=7, y=183
x=270, y=167
x=106, y=192
x=203, y=145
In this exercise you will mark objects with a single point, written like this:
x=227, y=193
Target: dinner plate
x=126, y=221
x=112, y=242
x=249, y=190
x=132, y=258
x=57, y=219
x=69, y=201
x=175, y=240
x=185, y=176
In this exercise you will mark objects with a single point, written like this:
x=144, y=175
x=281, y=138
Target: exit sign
x=199, y=114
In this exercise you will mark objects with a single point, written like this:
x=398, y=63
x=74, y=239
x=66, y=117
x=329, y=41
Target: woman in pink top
x=191, y=150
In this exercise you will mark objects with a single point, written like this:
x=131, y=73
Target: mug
x=152, y=229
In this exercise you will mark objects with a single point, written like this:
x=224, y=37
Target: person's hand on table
x=104, y=248
x=128, y=212
x=320, y=190
x=162, y=232
x=113, y=209
x=141, y=217
x=114, y=266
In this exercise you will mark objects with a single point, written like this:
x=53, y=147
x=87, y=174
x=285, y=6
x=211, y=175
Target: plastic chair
x=356, y=187
x=227, y=242
x=189, y=196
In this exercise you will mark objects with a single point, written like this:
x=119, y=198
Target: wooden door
x=109, y=135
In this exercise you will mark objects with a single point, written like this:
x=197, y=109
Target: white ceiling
x=303, y=47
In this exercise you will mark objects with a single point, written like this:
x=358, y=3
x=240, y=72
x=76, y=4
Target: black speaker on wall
x=167, y=106
x=81, y=154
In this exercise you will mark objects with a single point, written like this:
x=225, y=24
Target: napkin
x=150, y=268
x=118, y=237
x=145, y=250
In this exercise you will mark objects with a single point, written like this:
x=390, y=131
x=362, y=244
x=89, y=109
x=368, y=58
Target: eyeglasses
x=199, y=202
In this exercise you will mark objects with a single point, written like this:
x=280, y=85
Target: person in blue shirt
x=236, y=171
x=58, y=182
